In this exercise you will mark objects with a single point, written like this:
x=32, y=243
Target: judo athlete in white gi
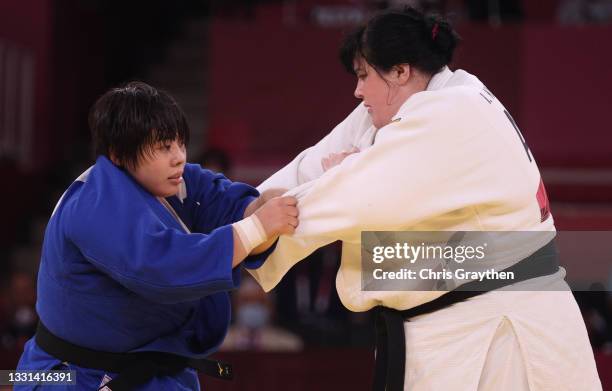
x=437, y=152
x=140, y=253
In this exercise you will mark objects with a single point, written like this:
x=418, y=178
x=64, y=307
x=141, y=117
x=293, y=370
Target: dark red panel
x=566, y=95
x=285, y=85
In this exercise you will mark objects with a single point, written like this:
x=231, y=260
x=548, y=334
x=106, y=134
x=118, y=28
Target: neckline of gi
x=170, y=209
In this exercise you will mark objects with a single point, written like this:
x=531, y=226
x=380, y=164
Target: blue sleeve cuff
x=255, y=261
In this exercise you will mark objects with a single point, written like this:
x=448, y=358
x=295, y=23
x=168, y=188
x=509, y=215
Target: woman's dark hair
x=128, y=121
x=425, y=42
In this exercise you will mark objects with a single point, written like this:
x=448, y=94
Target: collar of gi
x=440, y=79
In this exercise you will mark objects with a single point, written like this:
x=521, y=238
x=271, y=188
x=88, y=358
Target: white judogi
x=451, y=159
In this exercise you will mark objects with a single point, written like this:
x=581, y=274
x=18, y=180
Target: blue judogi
x=120, y=274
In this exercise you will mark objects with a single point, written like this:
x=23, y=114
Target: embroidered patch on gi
x=105, y=380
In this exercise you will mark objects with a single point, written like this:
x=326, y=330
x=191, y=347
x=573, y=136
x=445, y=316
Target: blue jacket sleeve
x=220, y=200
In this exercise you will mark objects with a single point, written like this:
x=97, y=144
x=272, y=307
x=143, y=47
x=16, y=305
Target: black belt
x=390, y=338
x=133, y=368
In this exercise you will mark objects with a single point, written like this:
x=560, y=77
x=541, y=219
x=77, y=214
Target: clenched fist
x=279, y=216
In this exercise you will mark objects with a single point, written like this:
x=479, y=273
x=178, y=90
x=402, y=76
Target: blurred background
x=260, y=81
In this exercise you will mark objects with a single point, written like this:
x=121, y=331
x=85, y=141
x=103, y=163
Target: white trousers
x=502, y=341
x=504, y=368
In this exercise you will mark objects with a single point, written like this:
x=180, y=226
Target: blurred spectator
x=20, y=317
x=216, y=160
x=253, y=327
x=585, y=11
x=595, y=307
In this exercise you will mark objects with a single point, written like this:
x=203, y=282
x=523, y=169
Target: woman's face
x=378, y=93
x=160, y=172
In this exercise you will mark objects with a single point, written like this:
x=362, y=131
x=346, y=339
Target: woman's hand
x=267, y=195
x=333, y=159
x=279, y=216
x=264, y=197
x=255, y=234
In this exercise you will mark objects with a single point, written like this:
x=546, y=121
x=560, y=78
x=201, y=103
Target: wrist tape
x=251, y=232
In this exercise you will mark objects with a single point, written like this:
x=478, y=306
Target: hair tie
x=434, y=31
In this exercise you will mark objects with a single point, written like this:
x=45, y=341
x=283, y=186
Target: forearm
x=249, y=238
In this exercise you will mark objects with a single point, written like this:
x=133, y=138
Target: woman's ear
x=402, y=73
x=113, y=158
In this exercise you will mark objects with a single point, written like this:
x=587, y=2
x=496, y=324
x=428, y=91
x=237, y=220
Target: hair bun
x=443, y=37
x=405, y=36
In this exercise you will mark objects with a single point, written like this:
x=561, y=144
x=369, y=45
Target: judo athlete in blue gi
x=141, y=252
